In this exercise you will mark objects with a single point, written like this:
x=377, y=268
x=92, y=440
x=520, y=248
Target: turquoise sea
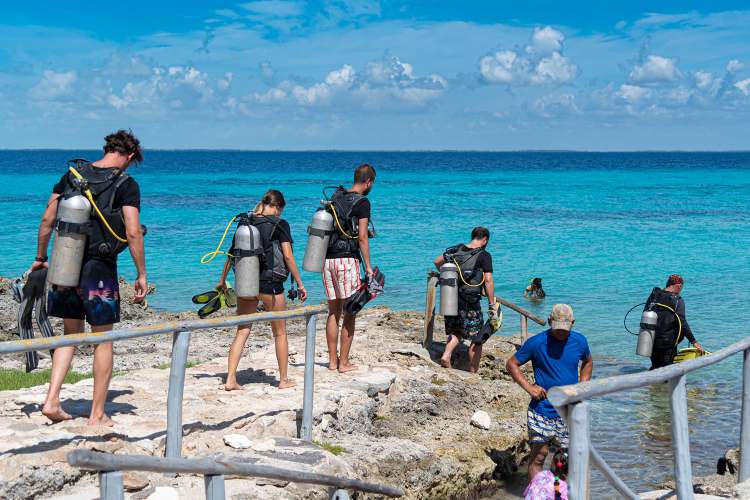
x=601, y=229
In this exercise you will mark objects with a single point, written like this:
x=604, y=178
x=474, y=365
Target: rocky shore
x=400, y=419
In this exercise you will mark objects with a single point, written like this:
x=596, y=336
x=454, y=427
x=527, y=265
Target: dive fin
x=211, y=306
x=205, y=297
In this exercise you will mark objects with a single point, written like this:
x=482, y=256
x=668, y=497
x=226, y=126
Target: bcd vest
x=667, y=325
x=272, y=263
x=103, y=183
x=343, y=203
x=467, y=261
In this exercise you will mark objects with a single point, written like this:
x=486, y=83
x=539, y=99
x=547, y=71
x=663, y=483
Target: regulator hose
x=207, y=258
x=679, y=321
x=87, y=193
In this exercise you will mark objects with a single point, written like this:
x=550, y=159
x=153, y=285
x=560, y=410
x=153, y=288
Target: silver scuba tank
x=449, y=289
x=319, y=232
x=246, y=250
x=646, y=335
x=69, y=246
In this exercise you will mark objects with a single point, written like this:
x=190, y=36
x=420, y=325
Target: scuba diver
x=82, y=275
x=671, y=324
x=347, y=248
x=535, y=291
x=474, y=268
x=276, y=262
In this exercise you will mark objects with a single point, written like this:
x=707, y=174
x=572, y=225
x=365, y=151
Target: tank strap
x=314, y=231
x=247, y=253
x=448, y=281
x=73, y=227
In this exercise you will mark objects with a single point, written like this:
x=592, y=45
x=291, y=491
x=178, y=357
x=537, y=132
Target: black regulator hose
x=624, y=320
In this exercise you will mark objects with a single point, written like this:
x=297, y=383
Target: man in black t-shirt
x=97, y=297
x=475, y=274
x=341, y=278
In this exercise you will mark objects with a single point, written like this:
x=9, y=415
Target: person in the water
x=535, y=291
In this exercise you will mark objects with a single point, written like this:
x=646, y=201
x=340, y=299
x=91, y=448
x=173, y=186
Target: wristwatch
x=40, y=259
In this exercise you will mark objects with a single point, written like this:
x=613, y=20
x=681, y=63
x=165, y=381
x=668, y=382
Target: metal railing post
x=578, y=453
x=683, y=474
x=110, y=485
x=307, y=400
x=180, y=346
x=524, y=327
x=745, y=425
x=214, y=486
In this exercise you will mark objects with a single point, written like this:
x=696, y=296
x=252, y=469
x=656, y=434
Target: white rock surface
x=237, y=441
x=164, y=493
x=742, y=490
x=481, y=419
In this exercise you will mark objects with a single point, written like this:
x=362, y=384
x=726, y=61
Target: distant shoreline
x=441, y=151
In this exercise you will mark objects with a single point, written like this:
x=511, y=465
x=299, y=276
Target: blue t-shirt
x=555, y=363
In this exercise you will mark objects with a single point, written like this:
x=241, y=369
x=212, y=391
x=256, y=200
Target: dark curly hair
x=125, y=143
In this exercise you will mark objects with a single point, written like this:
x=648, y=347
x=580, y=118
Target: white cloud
x=743, y=86
x=554, y=69
x=655, y=69
x=546, y=40
x=556, y=105
x=271, y=96
x=53, y=85
x=231, y=14
x=542, y=64
x=341, y=78
x=632, y=93
x=175, y=87
x=226, y=82
x=735, y=66
x=704, y=80
x=652, y=19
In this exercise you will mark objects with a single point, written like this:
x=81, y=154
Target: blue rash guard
x=555, y=363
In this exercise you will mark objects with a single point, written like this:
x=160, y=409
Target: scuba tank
x=71, y=230
x=449, y=289
x=647, y=333
x=246, y=251
x=319, y=231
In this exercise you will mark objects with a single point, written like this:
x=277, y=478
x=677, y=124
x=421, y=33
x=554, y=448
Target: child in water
x=535, y=291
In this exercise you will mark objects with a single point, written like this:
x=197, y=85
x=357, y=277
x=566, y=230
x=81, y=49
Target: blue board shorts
x=547, y=430
x=96, y=299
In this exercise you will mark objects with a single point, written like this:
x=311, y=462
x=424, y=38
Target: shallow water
x=601, y=228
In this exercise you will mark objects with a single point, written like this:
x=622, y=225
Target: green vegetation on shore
x=19, y=379
x=335, y=449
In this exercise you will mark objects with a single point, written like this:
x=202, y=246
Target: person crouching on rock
x=474, y=266
x=555, y=355
x=96, y=299
x=276, y=263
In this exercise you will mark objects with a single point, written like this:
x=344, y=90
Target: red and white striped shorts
x=341, y=277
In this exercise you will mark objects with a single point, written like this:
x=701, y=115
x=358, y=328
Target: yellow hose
x=88, y=194
x=461, y=275
x=212, y=255
x=338, y=224
x=679, y=321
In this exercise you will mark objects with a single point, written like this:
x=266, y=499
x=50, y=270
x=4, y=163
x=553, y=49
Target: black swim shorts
x=272, y=287
x=96, y=299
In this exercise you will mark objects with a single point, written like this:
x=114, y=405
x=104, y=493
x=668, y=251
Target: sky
x=377, y=75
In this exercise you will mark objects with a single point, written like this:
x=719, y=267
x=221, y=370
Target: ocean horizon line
x=490, y=151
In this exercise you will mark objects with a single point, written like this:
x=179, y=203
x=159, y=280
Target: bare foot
x=55, y=414
x=286, y=384
x=333, y=365
x=104, y=420
x=445, y=363
x=347, y=368
x=233, y=386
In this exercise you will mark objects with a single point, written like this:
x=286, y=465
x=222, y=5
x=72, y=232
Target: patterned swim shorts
x=466, y=324
x=96, y=299
x=546, y=430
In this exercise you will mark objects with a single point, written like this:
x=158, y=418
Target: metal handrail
x=180, y=331
x=430, y=300
x=213, y=469
x=571, y=402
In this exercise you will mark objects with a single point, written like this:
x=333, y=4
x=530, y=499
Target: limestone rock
x=237, y=441
x=481, y=419
x=263, y=445
x=134, y=481
x=742, y=490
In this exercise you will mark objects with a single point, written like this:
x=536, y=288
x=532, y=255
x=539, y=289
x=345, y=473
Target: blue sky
x=366, y=74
